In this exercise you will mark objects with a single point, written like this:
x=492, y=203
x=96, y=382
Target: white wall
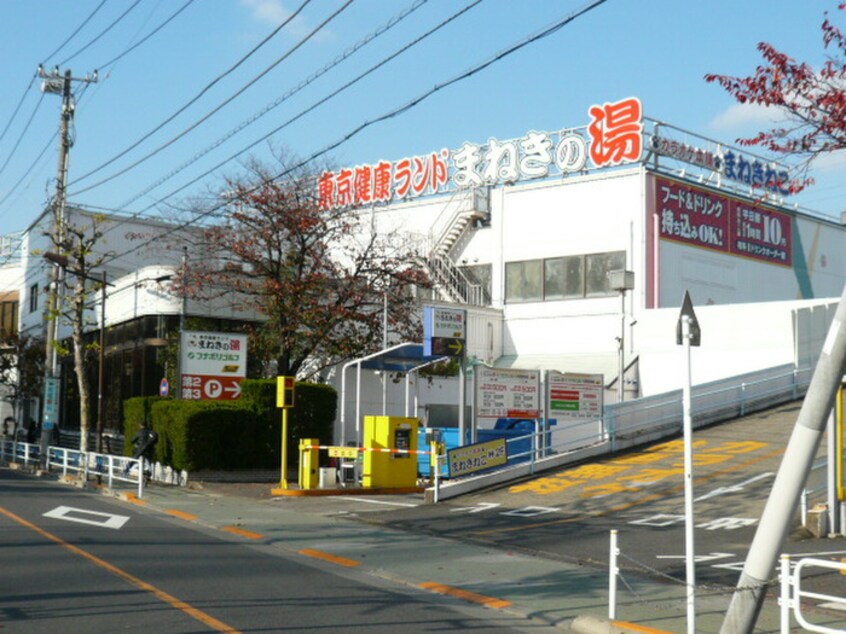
x=735, y=339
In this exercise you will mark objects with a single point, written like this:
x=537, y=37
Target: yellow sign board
x=349, y=453
x=472, y=458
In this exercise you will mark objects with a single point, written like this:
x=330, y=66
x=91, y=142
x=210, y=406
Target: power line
x=148, y=36
x=78, y=29
x=18, y=107
x=277, y=102
x=320, y=102
x=556, y=26
x=220, y=106
x=196, y=97
x=101, y=34
x=23, y=132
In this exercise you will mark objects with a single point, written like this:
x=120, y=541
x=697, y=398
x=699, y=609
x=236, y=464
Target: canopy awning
x=400, y=358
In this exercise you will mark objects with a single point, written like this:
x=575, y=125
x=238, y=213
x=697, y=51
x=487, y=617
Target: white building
x=523, y=233
x=531, y=227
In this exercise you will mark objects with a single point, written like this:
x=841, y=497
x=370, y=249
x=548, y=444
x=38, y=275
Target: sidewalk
x=569, y=596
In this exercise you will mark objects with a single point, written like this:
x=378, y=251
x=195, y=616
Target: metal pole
x=101, y=373
x=283, y=481
x=462, y=402
x=786, y=599
x=620, y=392
x=798, y=458
x=831, y=476
x=690, y=564
x=613, y=571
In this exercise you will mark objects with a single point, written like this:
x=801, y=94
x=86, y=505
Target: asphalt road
x=568, y=514
x=80, y=562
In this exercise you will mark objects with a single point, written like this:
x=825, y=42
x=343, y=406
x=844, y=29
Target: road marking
x=531, y=511
x=480, y=506
x=335, y=559
x=467, y=595
x=181, y=515
x=235, y=530
x=199, y=615
x=733, y=489
x=372, y=501
x=698, y=558
x=92, y=518
x=628, y=505
x=660, y=520
x=635, y=627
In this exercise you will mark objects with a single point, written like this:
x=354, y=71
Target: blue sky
x=657, y=50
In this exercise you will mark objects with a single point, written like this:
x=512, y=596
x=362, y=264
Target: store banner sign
x=700, y=217
x=575, y=396
x=213, y=364
x=613, y=136
x=507, y=393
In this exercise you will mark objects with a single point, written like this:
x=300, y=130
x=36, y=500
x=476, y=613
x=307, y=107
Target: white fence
x=638, y=422
x=109, y=468
x=794, y=598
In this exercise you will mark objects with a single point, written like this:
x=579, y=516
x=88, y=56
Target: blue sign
x=51, y=402
x=164, y=387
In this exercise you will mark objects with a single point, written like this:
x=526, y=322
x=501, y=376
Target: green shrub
x=242, y=434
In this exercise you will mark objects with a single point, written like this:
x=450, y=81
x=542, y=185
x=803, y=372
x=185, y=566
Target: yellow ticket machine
x=309, y=458
x=384, y=467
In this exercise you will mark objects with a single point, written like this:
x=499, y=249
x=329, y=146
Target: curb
x=593, y=625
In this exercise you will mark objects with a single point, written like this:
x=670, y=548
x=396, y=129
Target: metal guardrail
x=651, y=418
x=793, y=596
x=107, y=467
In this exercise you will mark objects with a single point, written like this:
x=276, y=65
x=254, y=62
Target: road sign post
x=687, y=335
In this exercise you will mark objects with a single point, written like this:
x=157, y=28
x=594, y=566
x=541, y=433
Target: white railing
x=641, y=421
x=107, y=467
x=792, y=594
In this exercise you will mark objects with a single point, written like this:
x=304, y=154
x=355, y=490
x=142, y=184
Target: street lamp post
x=622, y=281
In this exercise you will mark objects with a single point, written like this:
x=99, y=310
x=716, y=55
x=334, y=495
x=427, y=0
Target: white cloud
x=741, y=117
x=274, y=12
x=270, y=11
x=831, y=161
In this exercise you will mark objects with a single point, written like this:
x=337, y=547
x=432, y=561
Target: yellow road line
x=467, y=595
x=335, y=559
x=181, y=515
x=199, y=615
x=639, y=628
x=628, y=505
x=242, y=532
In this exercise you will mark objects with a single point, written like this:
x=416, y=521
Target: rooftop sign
x=613, y=136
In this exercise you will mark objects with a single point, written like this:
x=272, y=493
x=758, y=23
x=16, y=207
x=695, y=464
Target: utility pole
x=58, y=84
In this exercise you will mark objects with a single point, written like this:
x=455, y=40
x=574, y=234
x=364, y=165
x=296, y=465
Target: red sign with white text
x=200, y=387
x=707, y=219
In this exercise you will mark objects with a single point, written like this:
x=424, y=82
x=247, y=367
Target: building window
x=33, y=298
x=569, y=277
x=524, y=281
x=8, y=317
x=563, y=278
x=597, y=266
x=480, y=274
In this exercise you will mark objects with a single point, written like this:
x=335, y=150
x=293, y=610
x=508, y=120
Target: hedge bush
x=242, y=434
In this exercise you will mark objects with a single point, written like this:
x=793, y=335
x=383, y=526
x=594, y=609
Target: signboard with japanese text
x=507, y=393
x=212, y=365
x=472, y=458
x=613, y=136
x=703, y=218
x=575, y=396
x=50, y=416
x=444, y=331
